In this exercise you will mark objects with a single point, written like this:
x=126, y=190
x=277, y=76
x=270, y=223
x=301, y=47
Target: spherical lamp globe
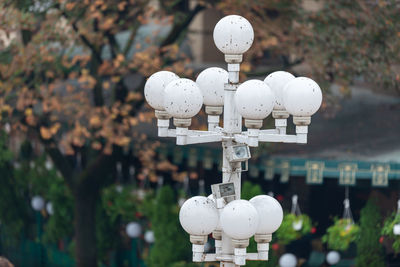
x=277, y=82
x=211, y=83
x=149, y=237
x=288, y=260
x=133, y=229
x=239, y=219
x=183, y=99
x=270, y=213
x=233, y=35
x=37, y=203
x=155, y=86
x=302, y=97
x=333, y=257
x=254, y=100
x=198, y=216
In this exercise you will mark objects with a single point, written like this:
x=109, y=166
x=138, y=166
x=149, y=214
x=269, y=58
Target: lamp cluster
x=280, y=93
x=239, y=219
x=232, y=221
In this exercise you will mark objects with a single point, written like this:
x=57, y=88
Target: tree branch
x=95, y=51
x=178, y=28
x=131, y=37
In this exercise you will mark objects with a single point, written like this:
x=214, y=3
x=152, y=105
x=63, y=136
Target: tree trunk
x=85, y=227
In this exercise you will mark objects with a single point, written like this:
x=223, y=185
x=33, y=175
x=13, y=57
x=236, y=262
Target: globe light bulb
x=277, y=82
x=270, y=213
x=37, y=203
x=239, y=220
x=288, y=260
x=183, y=100
x=211, y=83
x=49, y=208
x=133, y=229
x=302, y=97
x=333, y=257
x=149, y=237
x=155, y=86
x=198, y=216
x=254, y=100
x=233, y=35
x=270, y=218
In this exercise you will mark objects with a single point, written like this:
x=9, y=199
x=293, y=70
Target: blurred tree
x=369, y=250
x=72, y=72
x=72, y=76
x=172, y=244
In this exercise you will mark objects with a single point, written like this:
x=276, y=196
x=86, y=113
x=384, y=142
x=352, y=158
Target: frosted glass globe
x=270, y=213
x=302, y=97
x=149, y=237
x=288, y=260
x=155, y=86
x=277, y=81
x=239, y=219
x=183, y=98
x=233, y=35
x=133, y=229
x=254, y=100
x=37, y=203
x=333, y=257
x=211, y=83
x=198, y=216
x=49, y=208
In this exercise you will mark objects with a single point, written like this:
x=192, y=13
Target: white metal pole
x=231, y=172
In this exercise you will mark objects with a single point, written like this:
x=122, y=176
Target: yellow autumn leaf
x=28, y=112
x=95, y=121
x=45, y=133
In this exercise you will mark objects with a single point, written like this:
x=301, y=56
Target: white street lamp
x=154, y=94
x=133, y=229
x=277, y=81
x=49, y=208
x=239, y=220
x=288, y=260
x=254, y=100
x=149, y=237
x=333, y=257
x=271, y=216
x=219, y=90
x=37, y=203
x=198, y=217
x=211, y=82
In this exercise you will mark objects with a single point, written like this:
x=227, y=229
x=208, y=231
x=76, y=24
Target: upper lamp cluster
x=255, y=99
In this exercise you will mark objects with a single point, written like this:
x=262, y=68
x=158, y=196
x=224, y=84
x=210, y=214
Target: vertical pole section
x=231, y=172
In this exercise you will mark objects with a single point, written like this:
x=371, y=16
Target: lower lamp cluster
x=238, y=219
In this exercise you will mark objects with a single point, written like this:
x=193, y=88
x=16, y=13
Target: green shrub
x=341, y=234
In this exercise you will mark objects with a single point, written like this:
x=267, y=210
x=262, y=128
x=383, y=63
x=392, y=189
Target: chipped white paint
x=155, y=86
x=183, y=98
x=270, y=212
x=239, y=219
x=254, y=100
x=211, y=83
x=233, y=35
x=198, y=216
x=277, y=81
x=302, y=97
